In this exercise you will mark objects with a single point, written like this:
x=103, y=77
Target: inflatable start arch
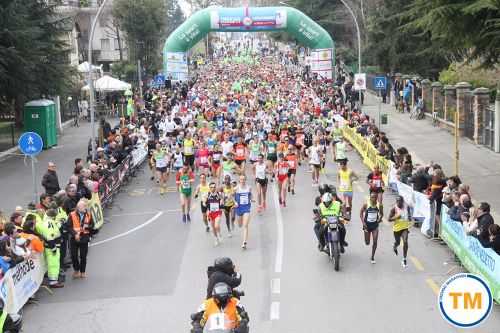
x=248, y=19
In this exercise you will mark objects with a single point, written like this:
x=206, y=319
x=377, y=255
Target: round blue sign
x=30, y=143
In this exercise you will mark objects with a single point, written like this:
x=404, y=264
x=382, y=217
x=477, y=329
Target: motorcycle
x=332, y=236
x=333, y=240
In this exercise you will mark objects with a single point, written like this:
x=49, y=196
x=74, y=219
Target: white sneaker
x=216, y=243
x=229, y=235
x=404, y=263
x=373, y=261
x=220, y=239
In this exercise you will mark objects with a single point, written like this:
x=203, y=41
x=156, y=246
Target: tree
x=396, y=49
x=469, y=29
x=174, y=17
x=33, y=55
x=144, y=25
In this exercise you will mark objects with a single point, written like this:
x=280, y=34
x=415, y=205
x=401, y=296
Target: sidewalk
x=479, y=167
x=15, y=174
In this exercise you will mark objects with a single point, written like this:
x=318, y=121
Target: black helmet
x=332, y=189
x=222, y=292
x=323, y=188
x=224, y=264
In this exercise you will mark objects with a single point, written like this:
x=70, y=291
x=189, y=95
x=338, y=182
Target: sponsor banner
x=139, y=154
x=245, y=19
x=422, y=211
x=113, y=180
x=472, y=254
x=325, y=65
x=21, y=282
x=175, y=67
x=360, y=81
x=323, y=54
x=96, y=210
x=407, y=193
x=176, y=57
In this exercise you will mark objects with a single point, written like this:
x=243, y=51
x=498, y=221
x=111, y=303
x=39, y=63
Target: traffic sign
x=380, y=82
x=30, y=143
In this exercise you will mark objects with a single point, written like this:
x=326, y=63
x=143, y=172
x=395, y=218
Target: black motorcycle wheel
x=336, y=256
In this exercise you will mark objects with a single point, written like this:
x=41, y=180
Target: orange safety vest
x=230, y=311
x=79, y=226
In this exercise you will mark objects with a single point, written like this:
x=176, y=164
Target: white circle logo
x=247, y=21
x=465, y=300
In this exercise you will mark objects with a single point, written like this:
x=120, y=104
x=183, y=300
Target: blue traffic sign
x=30, y=143
x=380, y=82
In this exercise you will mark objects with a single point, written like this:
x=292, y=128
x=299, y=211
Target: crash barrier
x=422, y=209
x=21, y=282
x=111, y=182
x=470, y=252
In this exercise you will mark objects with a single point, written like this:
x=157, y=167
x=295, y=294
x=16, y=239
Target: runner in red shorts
x=281, y=171
x=213, y=203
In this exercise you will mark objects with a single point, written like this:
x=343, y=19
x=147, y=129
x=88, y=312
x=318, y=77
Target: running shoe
x=188, y=217
x=403, y=263
x=184, y=218
x=207, y=229
x=293, y=191
x=216, y=243
x=373, y=261
x=395, y=249
x=229, y=235
x=244, y=245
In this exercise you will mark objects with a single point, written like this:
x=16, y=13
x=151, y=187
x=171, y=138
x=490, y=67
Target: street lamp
x=90, y=81
x=359, y=41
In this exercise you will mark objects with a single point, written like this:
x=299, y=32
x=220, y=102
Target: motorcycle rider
x=223, y=270
x=221, y=301
x=328, y=207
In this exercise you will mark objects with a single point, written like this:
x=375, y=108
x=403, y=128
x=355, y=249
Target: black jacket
x=50, y=182
x=233, y=280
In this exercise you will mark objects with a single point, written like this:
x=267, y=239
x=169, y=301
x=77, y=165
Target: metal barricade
x=489, y=127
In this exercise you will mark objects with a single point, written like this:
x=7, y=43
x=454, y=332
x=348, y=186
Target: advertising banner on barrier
x=115, y=178
x=472, y=254
x=96, y=210
x=139, y=154
x=21, y=282
x=245, y=18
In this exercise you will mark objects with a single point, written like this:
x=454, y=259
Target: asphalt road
x=147, y=272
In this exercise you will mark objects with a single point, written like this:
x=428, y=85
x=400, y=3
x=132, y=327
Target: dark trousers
x=64, y=248
x=79, y=252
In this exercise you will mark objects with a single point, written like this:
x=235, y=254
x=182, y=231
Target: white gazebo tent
x=84, y=67
x=108, y=83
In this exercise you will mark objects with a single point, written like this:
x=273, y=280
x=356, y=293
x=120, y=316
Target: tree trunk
x=19, y=111
x=118, y=37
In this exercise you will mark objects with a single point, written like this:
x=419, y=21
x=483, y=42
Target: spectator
x=494, y=238
x=36, y=245
x=420, y=179
x=460, y=211
x=71, y=199
x=81, y=225
x=44, y=204
x=17, y=219
x=479, y=223
x=50, y=182
x=406, y=169
x=451, y=185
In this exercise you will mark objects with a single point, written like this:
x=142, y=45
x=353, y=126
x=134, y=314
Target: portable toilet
x=40, y=117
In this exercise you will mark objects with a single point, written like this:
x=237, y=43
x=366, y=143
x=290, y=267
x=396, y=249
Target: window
x=105, y=45
x=117, y=45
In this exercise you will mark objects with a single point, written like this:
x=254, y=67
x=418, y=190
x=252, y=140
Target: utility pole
x=139, y=77
x=359, y=40
x=89, y=78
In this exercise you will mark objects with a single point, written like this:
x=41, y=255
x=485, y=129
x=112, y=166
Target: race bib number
x=291, y=163
x=214, y=206
x=283, y=171
x=203, y=160
x=244, y=199
x=372, y=217
x=271, y=149
x=240, y=152
x=377, y=183
x=188, y=150
x=185, y=184
x=343, y=186
x=217, y=321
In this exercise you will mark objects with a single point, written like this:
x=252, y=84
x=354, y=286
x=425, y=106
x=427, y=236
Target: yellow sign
x=96, y=210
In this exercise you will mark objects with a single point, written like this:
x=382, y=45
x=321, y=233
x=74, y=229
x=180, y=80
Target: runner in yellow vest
x=345, y=179
x=401, y=217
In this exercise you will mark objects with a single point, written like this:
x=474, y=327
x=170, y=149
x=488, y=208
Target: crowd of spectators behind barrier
x=431, y=180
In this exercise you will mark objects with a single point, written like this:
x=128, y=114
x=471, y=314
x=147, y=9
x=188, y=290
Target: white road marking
x=275, y=310
x=276, y=286
x=123, y=234
x=135, y=214
x=278, y=264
